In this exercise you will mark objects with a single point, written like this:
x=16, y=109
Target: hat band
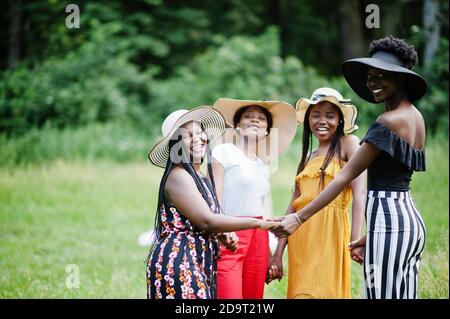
x=388, y=57
x=317, y=97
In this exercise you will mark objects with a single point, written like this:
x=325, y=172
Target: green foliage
x=150, y=33
x=251, y=68
x=115, y=141
x=434, y=105
x=239, y=67
x=91, y=85
x=87, y=85
x=248, y=68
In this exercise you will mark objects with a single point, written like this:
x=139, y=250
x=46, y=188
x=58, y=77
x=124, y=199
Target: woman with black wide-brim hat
x=391, y=150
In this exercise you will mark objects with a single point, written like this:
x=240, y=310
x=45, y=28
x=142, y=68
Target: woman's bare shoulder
x=178, y=176
x=350, y=144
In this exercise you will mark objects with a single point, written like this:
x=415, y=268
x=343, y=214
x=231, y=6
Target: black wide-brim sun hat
x=355, y=72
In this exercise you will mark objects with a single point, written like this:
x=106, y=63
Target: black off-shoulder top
x=394, y=166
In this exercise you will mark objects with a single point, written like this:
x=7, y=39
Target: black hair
x=399, y=47
x=333, y=150
x=238, y=114
x=187, y=165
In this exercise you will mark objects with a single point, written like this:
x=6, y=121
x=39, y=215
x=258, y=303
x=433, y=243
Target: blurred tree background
x=132, y=62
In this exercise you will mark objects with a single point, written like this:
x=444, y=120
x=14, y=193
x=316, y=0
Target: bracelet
x=298, y=219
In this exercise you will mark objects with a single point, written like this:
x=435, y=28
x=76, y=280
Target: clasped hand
x=285, y=225
x=358, y=249
x=229, y=240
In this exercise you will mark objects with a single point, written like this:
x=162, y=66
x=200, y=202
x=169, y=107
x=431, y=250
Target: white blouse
x=245, y=182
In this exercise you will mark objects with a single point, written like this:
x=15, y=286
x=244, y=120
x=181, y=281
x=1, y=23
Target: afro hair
x=404, y=51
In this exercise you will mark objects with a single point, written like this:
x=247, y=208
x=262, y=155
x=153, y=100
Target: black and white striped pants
x=394, y=245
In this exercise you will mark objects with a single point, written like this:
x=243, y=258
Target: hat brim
x=349, y=111
x=355, y=72
x=212, y=121
x=283, y=119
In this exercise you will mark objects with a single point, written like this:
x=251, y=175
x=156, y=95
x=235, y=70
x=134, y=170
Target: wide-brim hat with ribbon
x=349, y=111
x=283, y=119
x=355, y=72
x=211, y=120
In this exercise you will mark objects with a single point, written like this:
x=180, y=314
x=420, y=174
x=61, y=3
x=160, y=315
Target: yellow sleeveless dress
x=319, y=259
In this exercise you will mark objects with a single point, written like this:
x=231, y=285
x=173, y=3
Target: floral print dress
x=183, y=263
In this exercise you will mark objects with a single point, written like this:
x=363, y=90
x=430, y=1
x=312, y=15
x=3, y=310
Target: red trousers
x=242, y=275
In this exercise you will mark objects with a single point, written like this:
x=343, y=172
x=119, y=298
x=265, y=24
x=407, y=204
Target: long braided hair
x=334, y=149
x=185, y=163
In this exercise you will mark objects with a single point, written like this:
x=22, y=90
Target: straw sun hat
x=283, y=119
x=348, y=110
x=212, y=121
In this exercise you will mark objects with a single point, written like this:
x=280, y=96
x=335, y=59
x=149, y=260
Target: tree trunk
x=352, y=41
x=431, y=26
x=390, y=18
x=15, y=16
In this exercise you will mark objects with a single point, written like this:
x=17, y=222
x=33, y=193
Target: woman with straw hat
x=261, y=131
x=182, y=261
x=392, y=150
x=319, y=260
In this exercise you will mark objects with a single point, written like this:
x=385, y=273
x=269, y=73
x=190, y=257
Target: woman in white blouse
x=241, y=167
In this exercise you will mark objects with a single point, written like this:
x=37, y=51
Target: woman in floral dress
x=182, y=263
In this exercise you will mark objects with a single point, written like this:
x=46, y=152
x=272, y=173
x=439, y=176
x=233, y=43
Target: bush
x=247, y=68
x=239, y=67
x=115, y=141
x=87, y=85
x=94, y=84
x=435, y=103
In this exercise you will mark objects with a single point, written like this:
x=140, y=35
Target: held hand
x=286, y=227
x=265, y=224
x=358, y=243
x=357, y=249
x=274, y=270
x=276, y=219
x=230, y=241
x=358, y=254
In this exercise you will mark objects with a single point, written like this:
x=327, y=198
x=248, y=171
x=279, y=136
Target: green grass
x=90, y=213
x=86, y=214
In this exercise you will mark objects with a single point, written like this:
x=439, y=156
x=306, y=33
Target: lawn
x=88, y=215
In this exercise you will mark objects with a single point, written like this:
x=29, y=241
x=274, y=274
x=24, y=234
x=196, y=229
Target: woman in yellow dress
x=319, y=259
